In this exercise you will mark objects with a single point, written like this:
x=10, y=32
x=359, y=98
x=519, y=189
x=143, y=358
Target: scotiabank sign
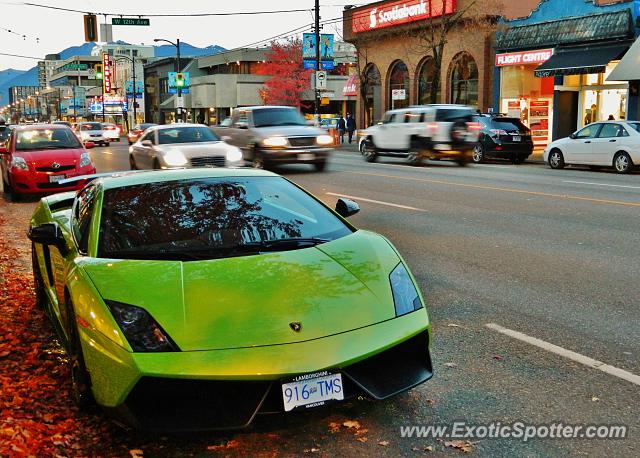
x=399, y=12
x=524, y=57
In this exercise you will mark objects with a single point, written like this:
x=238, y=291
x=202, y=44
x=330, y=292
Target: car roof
x=262, y=107
x=158, y=176
x=39, y=126
x=174, y=125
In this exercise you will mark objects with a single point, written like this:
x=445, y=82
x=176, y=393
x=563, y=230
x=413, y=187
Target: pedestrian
x=201, y=118
x=342, y=127
x=351, y=126
x=611, y=118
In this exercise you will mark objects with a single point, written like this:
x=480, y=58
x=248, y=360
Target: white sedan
x=182, y=145
x=602, y=144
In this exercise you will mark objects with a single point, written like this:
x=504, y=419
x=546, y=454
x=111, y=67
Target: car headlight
x=19, y=163
x=142, y=332
x=175, y=158
x=275, y=142
x=234, y=155
x=85, y=160
x=405, y=295
x=324, y=140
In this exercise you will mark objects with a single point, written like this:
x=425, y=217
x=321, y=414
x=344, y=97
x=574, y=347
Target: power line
x=23, y=36
x=18, y=55
x=240, y=13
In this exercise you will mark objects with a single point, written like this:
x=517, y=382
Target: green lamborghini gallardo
x=197, y=299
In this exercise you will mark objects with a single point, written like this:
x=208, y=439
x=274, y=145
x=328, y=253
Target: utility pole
x=317, y=30
x=135, y=92
x=178, y=70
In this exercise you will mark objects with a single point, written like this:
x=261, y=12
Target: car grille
x=302, y=141
x=54, y=185
x=62, y=168
x=208, y=161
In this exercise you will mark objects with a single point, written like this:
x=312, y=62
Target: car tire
x=320, y=166
x=132, y=163
x=478, y=154
x=130, y=142
x=462, y=162
x=517, y=160
x=458, y=131
x=369, y=152
x=556, y=159
x=156, y=164
x=38, y=283
x=414, y=157
x=258, y=161
x=622, y=162
x=80, y=378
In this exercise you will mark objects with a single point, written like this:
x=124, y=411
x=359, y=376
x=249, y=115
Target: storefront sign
x=537, y=56
x=106, y=75
x=399, y=12
x=398, y=94
x=351, y=86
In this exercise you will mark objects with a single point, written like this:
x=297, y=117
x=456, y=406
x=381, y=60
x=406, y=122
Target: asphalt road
x=552, y=255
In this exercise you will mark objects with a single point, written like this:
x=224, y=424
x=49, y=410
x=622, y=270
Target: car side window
x=242, y=119
x=622, y=132
x=589, y=131
x=610, y=130
x=398, y=118
x=149, y=136
x=387, y=118
x=81, y=217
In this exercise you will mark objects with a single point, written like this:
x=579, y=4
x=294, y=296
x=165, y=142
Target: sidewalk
x=536, y=156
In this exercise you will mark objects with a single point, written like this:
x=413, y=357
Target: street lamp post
x=133, y=77
x=178, y=68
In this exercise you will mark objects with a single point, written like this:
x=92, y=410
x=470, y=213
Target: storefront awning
x=580, y=60
x=628, y=69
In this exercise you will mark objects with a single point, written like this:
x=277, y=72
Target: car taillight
x=474, y=126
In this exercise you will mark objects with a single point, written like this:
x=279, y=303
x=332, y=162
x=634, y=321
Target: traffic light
x=98, y=69
x=90, y=27
x=179, y=79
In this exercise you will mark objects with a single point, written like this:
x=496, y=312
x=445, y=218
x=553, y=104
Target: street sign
x=321, y=80
x=75, y=67
x=325, y=64
x=129, y=21
x=179, y=102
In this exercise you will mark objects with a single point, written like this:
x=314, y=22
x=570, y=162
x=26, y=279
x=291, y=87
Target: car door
x=390, y=131
x=610, y=140
x=143, y=154
x=578, y=148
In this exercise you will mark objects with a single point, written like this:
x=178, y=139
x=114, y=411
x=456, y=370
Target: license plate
x=56, y=178
x=516, y=138
x=306, y=157
x=312, y=390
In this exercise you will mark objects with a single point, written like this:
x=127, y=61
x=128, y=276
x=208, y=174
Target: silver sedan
x=182, y=145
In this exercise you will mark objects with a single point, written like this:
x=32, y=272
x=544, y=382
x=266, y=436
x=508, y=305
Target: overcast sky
x=57, y=30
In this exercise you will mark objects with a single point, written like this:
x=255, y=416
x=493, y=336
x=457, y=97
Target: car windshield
x=194, y=134
x=144, y=126
x=509, y=124
x=42, y=139
x=635, y=125
x=91, y=126
x=212, y=218
x=266, y=117
x=453, y=114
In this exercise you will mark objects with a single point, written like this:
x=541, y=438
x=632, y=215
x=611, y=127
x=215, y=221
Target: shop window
x=464, y=80
x=372, y=101
x=399, y=85
x=425, y=82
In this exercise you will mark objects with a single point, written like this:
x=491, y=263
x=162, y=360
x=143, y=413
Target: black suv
x=502, y=137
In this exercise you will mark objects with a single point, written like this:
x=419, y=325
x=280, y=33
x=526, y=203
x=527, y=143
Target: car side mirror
x=572, y=136
x=146, y=143
x=89, y=145
x=346, y=207
x=49, y=234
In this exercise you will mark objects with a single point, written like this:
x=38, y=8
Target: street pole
x=135, y=92
x=317, y=30
x=177, y=71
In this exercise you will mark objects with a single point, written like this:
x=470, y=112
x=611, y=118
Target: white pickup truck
x=423, y=132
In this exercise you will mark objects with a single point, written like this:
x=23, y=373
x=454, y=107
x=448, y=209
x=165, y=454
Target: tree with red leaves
x=289, y=79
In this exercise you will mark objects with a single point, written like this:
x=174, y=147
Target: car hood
x=288, y=131
x=202, y=149
x=44, y=158
x=253, y=300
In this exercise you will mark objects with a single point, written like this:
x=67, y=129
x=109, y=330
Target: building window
x=425, y=82
x=373, y=88
x=399, y=85
x=464, y=80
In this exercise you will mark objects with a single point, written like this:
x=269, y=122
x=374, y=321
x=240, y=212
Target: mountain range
x=12, y=77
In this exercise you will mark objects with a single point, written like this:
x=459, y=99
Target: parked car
x=329, y=123
x=134, y=134
x=182, y=145
x=270, y=135
x=63, y=123
x=423, y=132
x=196, y=299
x=91, y=132
x=5, y=130
x=111, y=132
x=36, y=158
x=602, y=144
x=502, y=137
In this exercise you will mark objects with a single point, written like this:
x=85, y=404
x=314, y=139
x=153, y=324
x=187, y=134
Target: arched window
x=464, y=80
x=372, y=101
x=426, y=81
x=398, y=96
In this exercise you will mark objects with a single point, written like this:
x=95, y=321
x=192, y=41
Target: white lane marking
x=406, y=207
x=355, y=155
x=601, y=184
x=572, y=355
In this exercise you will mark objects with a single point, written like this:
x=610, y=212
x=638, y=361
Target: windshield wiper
x=293, y=242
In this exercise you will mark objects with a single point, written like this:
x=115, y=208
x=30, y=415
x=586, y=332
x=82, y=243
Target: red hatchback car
x=35, y=158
